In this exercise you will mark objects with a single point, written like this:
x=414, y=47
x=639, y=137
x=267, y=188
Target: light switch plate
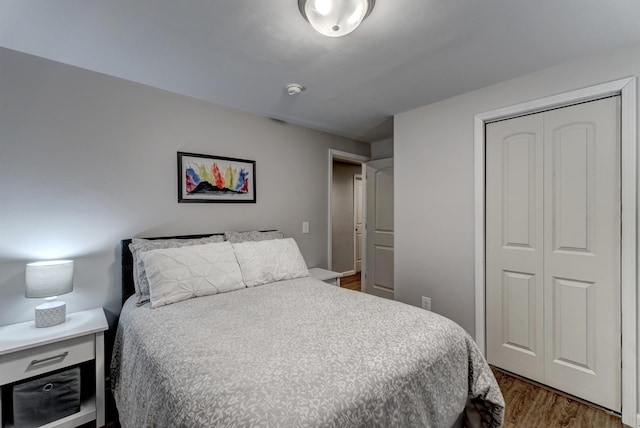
x=305, y=227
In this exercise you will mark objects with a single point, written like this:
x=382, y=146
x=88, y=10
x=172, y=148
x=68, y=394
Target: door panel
x=582, y=251
x=514, y=258
x=383, y=270
x=379, y=227
x=383, y=197
x=519, y=190
x=574, y=331
x=519, y=320
x=573, y=164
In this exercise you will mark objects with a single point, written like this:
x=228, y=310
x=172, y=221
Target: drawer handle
x=44, y=360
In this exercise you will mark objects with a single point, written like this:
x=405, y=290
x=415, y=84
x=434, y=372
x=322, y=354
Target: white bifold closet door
x=553, y=249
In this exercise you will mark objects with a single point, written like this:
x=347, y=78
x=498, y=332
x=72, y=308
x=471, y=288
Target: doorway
x=628, y=262
x=344, y=233
x=344, y=216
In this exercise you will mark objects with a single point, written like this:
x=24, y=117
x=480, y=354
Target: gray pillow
x=139, y=246
x=253, y=235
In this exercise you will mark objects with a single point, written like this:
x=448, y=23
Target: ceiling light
x=335, y=18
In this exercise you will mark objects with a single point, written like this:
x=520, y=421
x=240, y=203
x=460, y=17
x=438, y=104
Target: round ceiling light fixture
x=335, y=18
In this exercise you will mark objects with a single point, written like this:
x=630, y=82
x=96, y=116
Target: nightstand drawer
x=44, y=359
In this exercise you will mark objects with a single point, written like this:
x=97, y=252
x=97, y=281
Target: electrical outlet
x=426, y=303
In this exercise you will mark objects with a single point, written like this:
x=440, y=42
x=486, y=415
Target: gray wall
x=382, y=149
x=342, y=216
x=434, y=147
x=87, y=160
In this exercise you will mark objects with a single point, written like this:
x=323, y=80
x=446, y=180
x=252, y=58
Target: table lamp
x=49, y=279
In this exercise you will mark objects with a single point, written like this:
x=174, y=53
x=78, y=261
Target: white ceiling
x=241, y=53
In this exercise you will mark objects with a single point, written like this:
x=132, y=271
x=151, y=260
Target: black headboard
x=127, y=262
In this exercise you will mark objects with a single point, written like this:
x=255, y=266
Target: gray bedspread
x=297, y=353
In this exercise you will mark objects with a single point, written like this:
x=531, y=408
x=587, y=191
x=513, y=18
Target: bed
x=295, y=353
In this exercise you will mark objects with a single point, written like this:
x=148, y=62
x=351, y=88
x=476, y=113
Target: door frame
x=357, y=177
x=626, y=88
x=337, y=155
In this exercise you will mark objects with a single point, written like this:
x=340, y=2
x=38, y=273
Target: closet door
x=582, y=251
x=514, y=245
x=553, y=249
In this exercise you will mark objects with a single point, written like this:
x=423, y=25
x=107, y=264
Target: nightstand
x=327, y=276
x=27, y=351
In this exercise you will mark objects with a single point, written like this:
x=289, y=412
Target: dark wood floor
x=351, y=282
x=532, y=406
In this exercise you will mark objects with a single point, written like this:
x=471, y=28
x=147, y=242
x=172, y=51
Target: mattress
x=298, y=353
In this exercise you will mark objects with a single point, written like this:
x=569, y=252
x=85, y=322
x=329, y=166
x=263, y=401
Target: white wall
x=342, y=251
x=87, y=160
x=434, y=147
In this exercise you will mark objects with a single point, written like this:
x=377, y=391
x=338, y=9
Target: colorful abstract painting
x=204, y=178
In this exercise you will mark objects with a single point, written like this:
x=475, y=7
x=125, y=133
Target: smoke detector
x=295, y=88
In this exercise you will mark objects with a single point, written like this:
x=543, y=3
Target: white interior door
x=582, y=251
x=379, y=227
x=514, y=246
x=553, y=248
x=357, y=221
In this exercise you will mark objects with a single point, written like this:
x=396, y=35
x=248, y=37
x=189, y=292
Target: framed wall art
x=204, y=178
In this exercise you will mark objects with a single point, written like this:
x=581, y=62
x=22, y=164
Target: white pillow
x=252, y=235
x=139, y=245
x=268, y=261
x=177, y=274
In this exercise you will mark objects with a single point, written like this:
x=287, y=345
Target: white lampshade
x=49, y=278
x=335, y=18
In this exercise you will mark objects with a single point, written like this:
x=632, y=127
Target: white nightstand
x=327, y=276
x=27, y=351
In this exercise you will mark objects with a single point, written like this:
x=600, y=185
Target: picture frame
x=215, y=179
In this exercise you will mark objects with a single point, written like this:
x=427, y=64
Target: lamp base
x=51, y=313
